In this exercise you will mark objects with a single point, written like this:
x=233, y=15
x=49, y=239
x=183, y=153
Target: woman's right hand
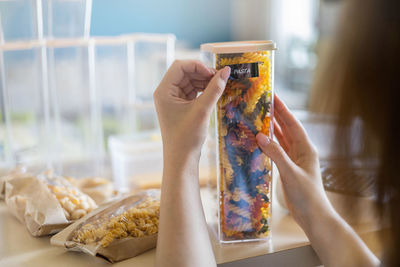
x=298, y=165
x=332, y=238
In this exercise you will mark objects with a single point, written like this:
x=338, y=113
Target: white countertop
x=288, y=246
x=19, y=248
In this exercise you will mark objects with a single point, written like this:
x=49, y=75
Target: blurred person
x=358, y=80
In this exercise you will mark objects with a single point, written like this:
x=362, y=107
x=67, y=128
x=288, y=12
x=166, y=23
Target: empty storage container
x=75, y=106
x=20, y=20
x=114, y=81
x=25, y=105
x=66, y=18
x=153, y=53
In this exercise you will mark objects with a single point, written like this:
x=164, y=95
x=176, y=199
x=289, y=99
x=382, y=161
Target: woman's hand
x=298, y=164
x=333, y=239
x=183, y=116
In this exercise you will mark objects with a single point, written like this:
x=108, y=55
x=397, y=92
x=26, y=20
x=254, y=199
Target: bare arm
x=336, y=243
x=333, y=239
x=183, y=237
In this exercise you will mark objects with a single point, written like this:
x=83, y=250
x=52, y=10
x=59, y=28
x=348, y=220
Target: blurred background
x=77, y=76
x=297, y=26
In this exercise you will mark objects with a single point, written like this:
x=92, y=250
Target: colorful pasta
x=245, y=172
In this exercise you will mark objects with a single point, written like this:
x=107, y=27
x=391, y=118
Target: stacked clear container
x=63, y=93
x=22, y=122
x=244, y=173
x=75, y=102
x=136, y=155
x=19, y=21
x=27, y=20
x=66, y=18
x=114, y=82
x=28, y=128
x=153, y=54
x=25, y=117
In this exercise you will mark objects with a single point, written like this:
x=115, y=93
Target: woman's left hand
x=183, y=115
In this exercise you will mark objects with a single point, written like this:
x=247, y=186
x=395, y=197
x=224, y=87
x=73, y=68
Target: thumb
x=275, y=152
x=215, y=88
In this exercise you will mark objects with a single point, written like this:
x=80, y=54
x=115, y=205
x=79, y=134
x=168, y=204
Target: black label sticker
x=243, y=71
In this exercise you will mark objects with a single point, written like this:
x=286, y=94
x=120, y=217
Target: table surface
x=19, y=248
x=288, y=246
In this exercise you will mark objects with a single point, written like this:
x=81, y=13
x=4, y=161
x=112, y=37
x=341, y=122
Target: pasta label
x=243, y=71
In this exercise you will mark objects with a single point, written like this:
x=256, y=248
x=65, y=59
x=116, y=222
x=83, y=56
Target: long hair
x=360, y=78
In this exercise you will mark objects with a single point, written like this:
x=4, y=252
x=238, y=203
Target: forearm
x=183, y=237
x=336, y=243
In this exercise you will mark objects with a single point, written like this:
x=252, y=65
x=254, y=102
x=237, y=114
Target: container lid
x=67, y=42
x=150, y=37
x=110, y=40
x=238, y=47
x=21, y=45
x=148, y=141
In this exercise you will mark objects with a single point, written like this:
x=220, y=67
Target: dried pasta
x=75, y=204
x=138, y=221
x=245, y=172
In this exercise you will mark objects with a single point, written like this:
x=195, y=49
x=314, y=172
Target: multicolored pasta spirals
x=244, y=171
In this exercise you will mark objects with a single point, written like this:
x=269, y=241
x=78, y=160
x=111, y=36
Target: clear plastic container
x=132, y=65
x=153, y=54
x=23, y=20
x=19, y=20
x=66, y=18
x=3, y=136
x=244, y=173
x=137, y=160
x=78, y=91
x=75, y=106
x=114, y=65
x=25, y=110
x=4, y=147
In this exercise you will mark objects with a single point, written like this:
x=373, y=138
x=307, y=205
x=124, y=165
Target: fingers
x=214, y=89
x=193, y=69
x=289, y=125
x=193, y=94
x=281, y=138
x=200, y=83
x=196, y=69
x=185, y=85
x=184, y=76
x=276, y=153
x=193, y=85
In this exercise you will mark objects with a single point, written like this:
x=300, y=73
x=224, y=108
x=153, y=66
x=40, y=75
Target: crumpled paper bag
x=30, y=200
x=18, y=172
x=35, y=205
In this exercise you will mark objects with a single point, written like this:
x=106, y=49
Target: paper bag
x=118, y=248
x=43, y=203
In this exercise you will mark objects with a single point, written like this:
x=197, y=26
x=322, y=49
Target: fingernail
x=263, y=139
x=225, y=73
